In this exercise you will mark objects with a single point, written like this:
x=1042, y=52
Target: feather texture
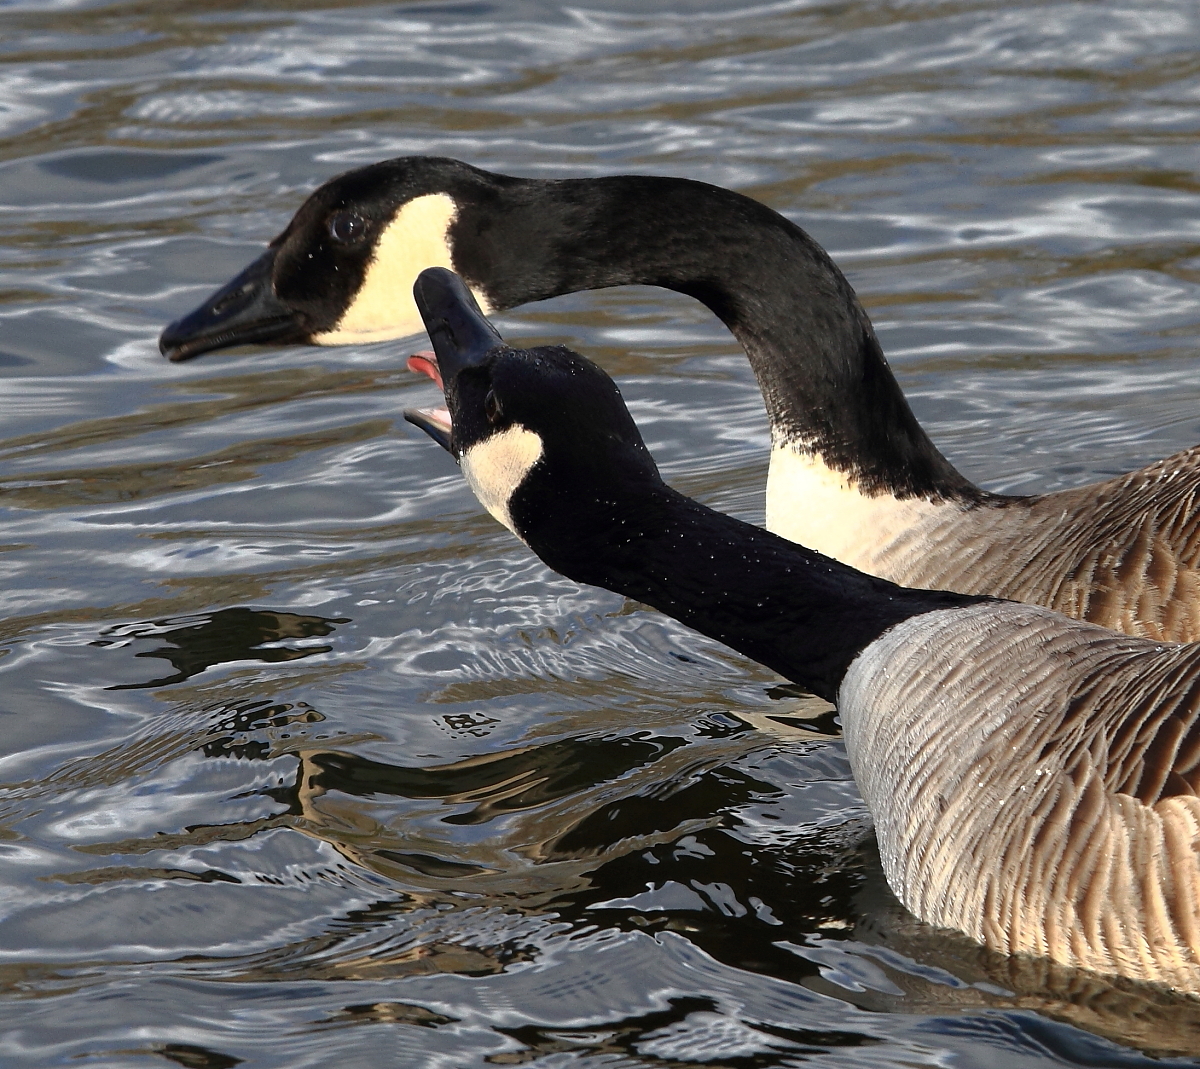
x=1034, y=784
x=1123, y=553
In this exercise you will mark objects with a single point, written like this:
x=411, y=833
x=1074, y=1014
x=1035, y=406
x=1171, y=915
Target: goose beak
x=461, y=336
x=243, y=312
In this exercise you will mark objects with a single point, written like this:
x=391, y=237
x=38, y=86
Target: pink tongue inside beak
x=425, y=363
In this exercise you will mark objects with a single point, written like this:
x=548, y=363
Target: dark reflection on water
x=526, y=778
x=188, y=1055
x=663, y=853
x=437, y=806
x=679, y=1030
x=237, y=634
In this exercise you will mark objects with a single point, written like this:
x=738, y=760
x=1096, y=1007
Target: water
x=305, y=761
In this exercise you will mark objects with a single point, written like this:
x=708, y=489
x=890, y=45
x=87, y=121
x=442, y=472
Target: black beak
x=460, y=332
x=243, y=312
x=461, y=336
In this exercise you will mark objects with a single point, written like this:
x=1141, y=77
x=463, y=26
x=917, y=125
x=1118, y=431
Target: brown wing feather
x=1032, y=780
x=1123, y=554
x=1139, y=720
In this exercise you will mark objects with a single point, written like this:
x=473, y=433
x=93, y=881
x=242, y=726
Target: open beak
x=461, y=336
x=243, y=312
x=433, y=421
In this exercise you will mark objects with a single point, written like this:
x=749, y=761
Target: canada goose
x=852, y=473
x=1032, y=778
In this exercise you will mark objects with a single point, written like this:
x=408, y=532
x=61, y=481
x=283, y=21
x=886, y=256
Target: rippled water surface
x=304, y=760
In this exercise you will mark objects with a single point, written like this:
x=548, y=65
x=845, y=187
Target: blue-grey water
x=304, y=761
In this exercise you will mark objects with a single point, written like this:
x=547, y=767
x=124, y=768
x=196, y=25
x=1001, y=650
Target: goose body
x=1033, y=782
x=852, y=473
x=1033, y=778
x=1121, y=553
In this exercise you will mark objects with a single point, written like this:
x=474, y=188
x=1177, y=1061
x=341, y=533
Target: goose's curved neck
x=788, y=607
x=828, y=389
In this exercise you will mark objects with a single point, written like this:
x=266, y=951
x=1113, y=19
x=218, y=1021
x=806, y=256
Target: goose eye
x=345, y=227
x=491, y=407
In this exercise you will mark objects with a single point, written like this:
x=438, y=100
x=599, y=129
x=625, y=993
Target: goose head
x=343, y=269
x=542, y=435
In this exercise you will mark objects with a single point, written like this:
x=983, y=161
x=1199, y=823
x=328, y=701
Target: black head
x=344, y=267
x=542, y=434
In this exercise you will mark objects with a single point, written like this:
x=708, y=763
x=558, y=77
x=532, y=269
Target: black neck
x=800, y=613
x=825, y=381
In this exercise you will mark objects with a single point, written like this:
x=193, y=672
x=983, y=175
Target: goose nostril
x=229, y=298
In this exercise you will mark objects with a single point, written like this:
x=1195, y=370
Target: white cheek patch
x=383, y=308
x=496, y=466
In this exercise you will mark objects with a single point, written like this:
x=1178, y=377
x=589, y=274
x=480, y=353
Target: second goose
x=852, y=473
x=1033, y=779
